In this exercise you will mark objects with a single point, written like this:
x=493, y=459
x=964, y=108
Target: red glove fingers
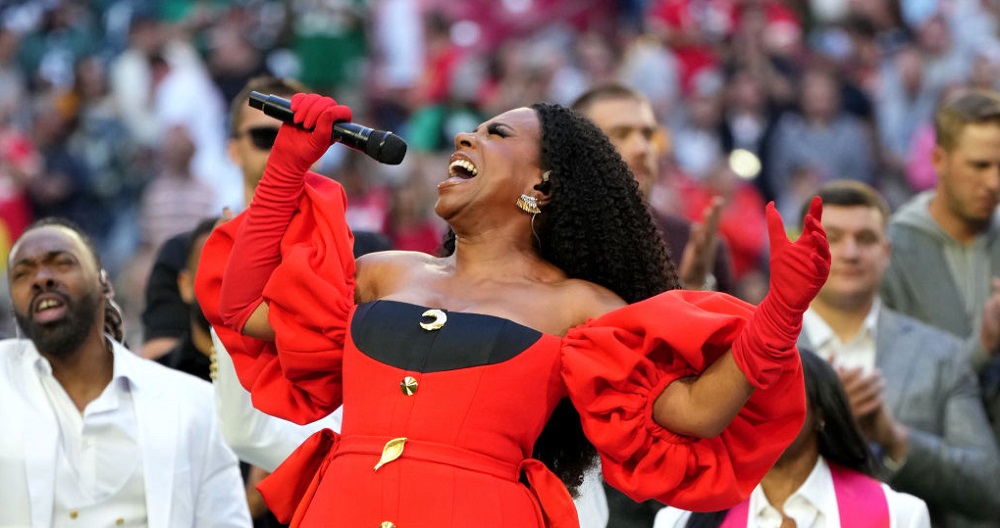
x=256, y=250
x=798, y=271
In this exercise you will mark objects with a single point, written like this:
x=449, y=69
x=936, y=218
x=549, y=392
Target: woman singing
x=477, y=385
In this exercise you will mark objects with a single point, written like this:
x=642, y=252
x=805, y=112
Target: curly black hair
x=595, y=227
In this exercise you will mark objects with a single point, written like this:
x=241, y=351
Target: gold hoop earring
x=528, y=204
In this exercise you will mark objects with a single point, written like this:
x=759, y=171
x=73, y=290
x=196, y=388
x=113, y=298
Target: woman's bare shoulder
x=394, y=258
x=380, y=272
x=589, y=300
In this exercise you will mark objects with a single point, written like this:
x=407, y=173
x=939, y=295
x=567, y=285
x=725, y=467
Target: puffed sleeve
x=310, y=296
x=615, y=366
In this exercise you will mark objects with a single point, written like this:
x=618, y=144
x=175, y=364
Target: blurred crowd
x=113, y=113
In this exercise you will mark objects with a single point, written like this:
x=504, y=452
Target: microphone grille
x=386, y=147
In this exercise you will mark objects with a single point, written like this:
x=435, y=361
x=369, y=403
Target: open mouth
x=462, y=168
x=48, y=308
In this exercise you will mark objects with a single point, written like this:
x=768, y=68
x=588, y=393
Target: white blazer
x=192, y=479
x=257, y=437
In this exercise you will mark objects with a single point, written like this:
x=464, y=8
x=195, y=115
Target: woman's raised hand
x=798, y=269
x=256, y=249
x=305, y=142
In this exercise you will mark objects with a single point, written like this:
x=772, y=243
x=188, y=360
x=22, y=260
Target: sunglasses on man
x=262, y=137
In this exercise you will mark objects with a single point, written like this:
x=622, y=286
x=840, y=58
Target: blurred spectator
x=20, y=165
x=694, y=30
x=627, y=118
x=232, y=59
x=66, y=32
x=920, y=173
x=175, y=200
x=886, y=21
x=652, y=70
x=432, y=125
x=742, y=223
x=173, y=203
x=820, y=138
x=102, y=141
x=442, y=57
x=591, y=62
x=328, y=39
x=185, y=95
x=159, y=81
x=165, y=317
x=697, y=144
x=748, y=122
x=823, y=480
x=131, y=76
x=192, y=351
x=766, y=33
x=947, y=240
x=903, y=102
x=912, y=391
x=398, y=50
x=368, y=200
x=412, y=225
x=62, y=187
x=13, y=80
x=518, y=74
x=944, y=63
x=985, y=74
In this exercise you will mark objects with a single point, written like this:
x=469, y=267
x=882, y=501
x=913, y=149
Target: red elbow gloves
x=798, y=271
x=256, y=250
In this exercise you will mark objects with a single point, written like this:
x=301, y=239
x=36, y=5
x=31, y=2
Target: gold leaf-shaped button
x=409, y=385
x=438, y=319
x=392, y=450
x=387, y=524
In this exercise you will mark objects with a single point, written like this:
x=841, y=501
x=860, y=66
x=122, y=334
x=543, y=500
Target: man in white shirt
x=911, y=389
x=94, y=435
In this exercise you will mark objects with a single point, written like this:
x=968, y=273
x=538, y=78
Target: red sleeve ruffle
x=310, y=296
x=616, y=365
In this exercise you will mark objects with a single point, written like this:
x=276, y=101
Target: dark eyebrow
x=49, y=255
x=494, y=124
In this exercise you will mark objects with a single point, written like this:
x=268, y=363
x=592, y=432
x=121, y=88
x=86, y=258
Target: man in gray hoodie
x=945, y=268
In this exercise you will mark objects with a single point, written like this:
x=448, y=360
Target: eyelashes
x=494, y=128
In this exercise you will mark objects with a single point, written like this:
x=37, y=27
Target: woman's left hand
x=798, y=269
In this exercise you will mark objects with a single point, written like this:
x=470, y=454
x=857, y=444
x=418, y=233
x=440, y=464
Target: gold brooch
x=439, y=319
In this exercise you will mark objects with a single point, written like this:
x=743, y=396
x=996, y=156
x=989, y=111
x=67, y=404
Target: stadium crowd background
x=113, y=112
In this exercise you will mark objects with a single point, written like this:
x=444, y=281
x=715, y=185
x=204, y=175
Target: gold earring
x=528, y=204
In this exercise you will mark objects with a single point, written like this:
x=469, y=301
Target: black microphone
x=384, y=147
